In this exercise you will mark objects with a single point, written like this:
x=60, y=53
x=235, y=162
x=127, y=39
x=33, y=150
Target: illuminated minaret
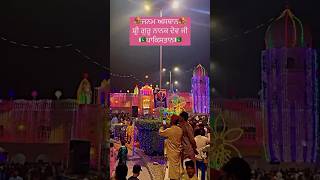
x=200, y=90
x=289, y=91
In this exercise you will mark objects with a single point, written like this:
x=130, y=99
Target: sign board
x=160, y=99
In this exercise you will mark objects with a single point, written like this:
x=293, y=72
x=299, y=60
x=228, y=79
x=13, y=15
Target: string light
x=245, y=32
x=80, y=53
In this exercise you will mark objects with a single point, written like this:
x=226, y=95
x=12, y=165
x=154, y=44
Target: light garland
x=147, y=129
x=246, y=31
x=200, y=90
x=288, y=16
x=79, y=52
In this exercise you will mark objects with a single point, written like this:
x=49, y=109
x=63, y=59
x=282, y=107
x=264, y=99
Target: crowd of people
x=121, y=170
x=31, y=171
x=186, y=145
x=238, y=169
x=117, y=118
x=287, y=174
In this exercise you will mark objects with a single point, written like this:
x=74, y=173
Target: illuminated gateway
x=195, y=102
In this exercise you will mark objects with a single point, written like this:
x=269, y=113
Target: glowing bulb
x=168, y=83
x=164, y=70
x=176, y=69
x=147, y=7
x=146, y=76
x=176, y=82
x=175, y=4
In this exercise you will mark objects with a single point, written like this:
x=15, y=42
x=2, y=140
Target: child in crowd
x=123, y=153
x=190, y=171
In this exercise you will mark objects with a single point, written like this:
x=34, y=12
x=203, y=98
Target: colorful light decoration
x=58, y=94
x=178, y=104
x=289, y=96
x=146, y=90
x=34, y=94
x=222, y=139
x=84, y=93
x=136, y=90
x=200, y=90
x=286, y=31
x=147, y=129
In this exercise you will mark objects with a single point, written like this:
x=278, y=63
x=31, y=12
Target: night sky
x=141, y=61
x=83, y=23
x=237, y=60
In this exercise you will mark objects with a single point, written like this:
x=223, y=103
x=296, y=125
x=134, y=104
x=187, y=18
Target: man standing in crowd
x=173, y=146
x=189, y=147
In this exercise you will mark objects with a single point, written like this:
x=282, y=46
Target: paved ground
x=152, y=167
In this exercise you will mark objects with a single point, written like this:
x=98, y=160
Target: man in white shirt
x=201, y=141
x=15, y=176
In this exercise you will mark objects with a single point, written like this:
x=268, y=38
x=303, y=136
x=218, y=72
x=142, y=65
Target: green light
x=302, y=32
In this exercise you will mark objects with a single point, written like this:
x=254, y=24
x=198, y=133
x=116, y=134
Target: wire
x=246, y=32
x=80, y=53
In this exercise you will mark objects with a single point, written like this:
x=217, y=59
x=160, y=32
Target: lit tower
x=289, y=91
x=200, y=90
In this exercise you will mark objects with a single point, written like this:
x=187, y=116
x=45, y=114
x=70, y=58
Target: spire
x=287, y=5
x=199, y=70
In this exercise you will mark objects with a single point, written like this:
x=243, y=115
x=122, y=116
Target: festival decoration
x=58, y=94
x=136, y=90
x=146, y=90
x=160, y=98
x=76, y=50
x=146, y=99
x=146, y=129
x=34, y=94
x=177, y=104
x=149, y=102
x=287, y=31
x=289, y=91
x=222, y=139
x=84, y=92
x=200, y=90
